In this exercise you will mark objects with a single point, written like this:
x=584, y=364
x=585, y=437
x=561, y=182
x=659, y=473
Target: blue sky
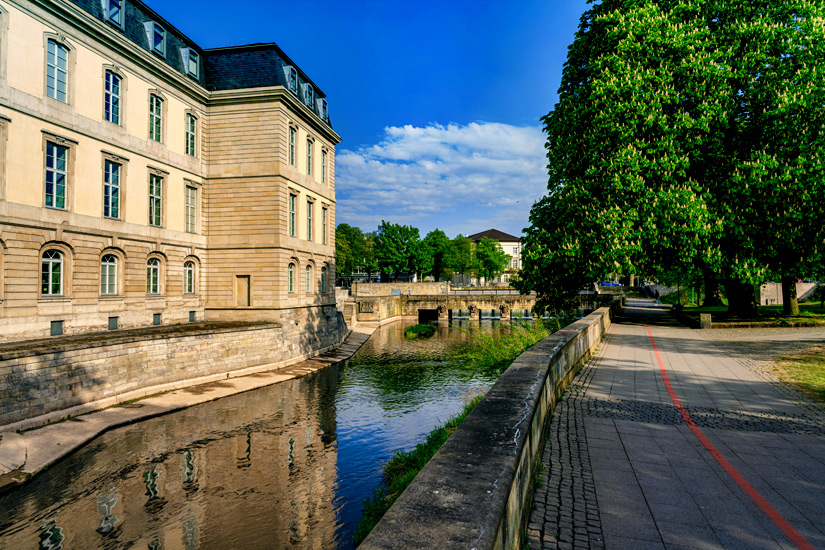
x=437, y=102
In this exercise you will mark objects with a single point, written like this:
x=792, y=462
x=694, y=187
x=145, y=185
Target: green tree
x=399, y=248
x=669, y=114
x=463, y=255
x=492, y=260
x=441, y=251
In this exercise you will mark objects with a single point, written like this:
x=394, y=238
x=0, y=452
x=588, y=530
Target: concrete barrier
x=473, y=492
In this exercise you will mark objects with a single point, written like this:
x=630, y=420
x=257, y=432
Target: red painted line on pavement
x=740, y=480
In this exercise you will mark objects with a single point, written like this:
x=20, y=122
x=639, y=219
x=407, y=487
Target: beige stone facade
x=139, y=189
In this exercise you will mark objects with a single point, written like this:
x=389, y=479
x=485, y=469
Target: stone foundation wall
x=385, y=289
x=59, y=376
x=473, y=492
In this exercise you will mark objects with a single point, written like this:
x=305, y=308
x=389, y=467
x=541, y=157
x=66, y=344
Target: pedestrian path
x=677, y=438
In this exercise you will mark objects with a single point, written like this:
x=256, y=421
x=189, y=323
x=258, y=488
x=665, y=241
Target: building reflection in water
x=178, y=481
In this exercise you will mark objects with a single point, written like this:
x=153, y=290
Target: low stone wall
x=386, y=289
x=41, y=382
x=473, y=492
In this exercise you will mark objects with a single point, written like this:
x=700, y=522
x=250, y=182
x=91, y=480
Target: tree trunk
x=713, y=294
x=741, y=298
x=790, y=305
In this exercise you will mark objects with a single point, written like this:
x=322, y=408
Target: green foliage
x=354, y=251
x=399, y=248
x=687, y=135
x=419, y=331
x=494, y=351
x=464, y=255
x=400, y=471
x=441, y=251
x=490, y=258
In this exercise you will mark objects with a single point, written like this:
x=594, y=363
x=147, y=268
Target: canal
x=283, y=466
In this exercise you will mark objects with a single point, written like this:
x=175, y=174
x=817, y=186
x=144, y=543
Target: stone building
x=146, y=180
x=510, y=245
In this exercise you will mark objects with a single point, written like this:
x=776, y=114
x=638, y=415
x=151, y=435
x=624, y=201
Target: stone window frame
x=66, y=271
x=292, y=144
x=160, y=258
x=310, y=222
x=71, y=146
x=310, y=147
x=191, y=115
x=118, y=72
x=164, y=177
x=292, y=212
x=4, y=33
x=5, y=122
x=290, y=276
x=324, y=222
x=120, y=271
x=123, y=162
x=197, y=186
x=308, y=275
x=71, y=63
x=164, y=108
x=324, y=275
x=196, y=263
x=3, y=252
x=324, y=153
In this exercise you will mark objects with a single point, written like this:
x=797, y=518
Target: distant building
x=510, y=245
x=146, y=180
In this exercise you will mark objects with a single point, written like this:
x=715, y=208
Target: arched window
x=108, y=275
x=189, y=278
x=309, y=279
x=51, y=282
x=323, y=280
x=153, y=276
x=290, y=278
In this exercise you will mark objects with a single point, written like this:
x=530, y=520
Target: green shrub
x=419, y=331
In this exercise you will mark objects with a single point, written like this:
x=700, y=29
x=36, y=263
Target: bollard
x=705, y=320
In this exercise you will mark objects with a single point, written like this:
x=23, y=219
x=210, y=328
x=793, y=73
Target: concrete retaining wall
x=385, y=289
x=40, y=383
x=473, y=492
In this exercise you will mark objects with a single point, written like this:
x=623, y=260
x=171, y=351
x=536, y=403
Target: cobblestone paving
x=565, y=513
x=565, y=510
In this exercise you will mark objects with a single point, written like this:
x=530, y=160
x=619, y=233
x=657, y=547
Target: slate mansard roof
x=230, y=68
x=494, y=234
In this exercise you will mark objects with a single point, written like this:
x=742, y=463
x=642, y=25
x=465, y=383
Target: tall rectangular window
x=155, y=200
x=191, y=209
x=57, y=71
x=310, y=98
x=293, y=80
x=309, y=157
x=111, y=98
x=111, y=189
x=323, y=166
x=158, y=39
x=191, y=135
x=323, y=226
x=292, y=200
x=309, y=220
x=155, y=118
x=193, y=63
x=56, y=175
x=291, y=146
x=324, y=110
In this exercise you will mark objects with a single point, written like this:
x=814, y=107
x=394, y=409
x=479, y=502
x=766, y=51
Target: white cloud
x=468, y=178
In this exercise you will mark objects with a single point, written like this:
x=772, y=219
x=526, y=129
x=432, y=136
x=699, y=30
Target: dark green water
x=286, y=466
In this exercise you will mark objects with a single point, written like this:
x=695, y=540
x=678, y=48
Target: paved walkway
x=625, y=469
x=25, y=454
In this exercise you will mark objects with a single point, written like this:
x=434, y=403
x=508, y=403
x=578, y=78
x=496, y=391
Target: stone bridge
x=379, y=302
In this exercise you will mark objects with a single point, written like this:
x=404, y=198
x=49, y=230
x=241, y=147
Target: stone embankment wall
x=42, y=382
x=386, y=289
x=473, y=492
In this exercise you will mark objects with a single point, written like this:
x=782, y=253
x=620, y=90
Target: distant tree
x=399, y=248
x=463, y=255
x=491, y=259
x=343, y=253
x=441, y=251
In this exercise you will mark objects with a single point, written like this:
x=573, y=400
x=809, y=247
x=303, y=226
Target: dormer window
x=324, y=109
x=191, y=61
x=310, y=96
x=157, y=37
x=293, y=80
x=113, y=11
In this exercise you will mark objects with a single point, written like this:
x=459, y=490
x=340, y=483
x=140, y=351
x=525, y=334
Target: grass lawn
x=808, y=311
x=806, y=371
